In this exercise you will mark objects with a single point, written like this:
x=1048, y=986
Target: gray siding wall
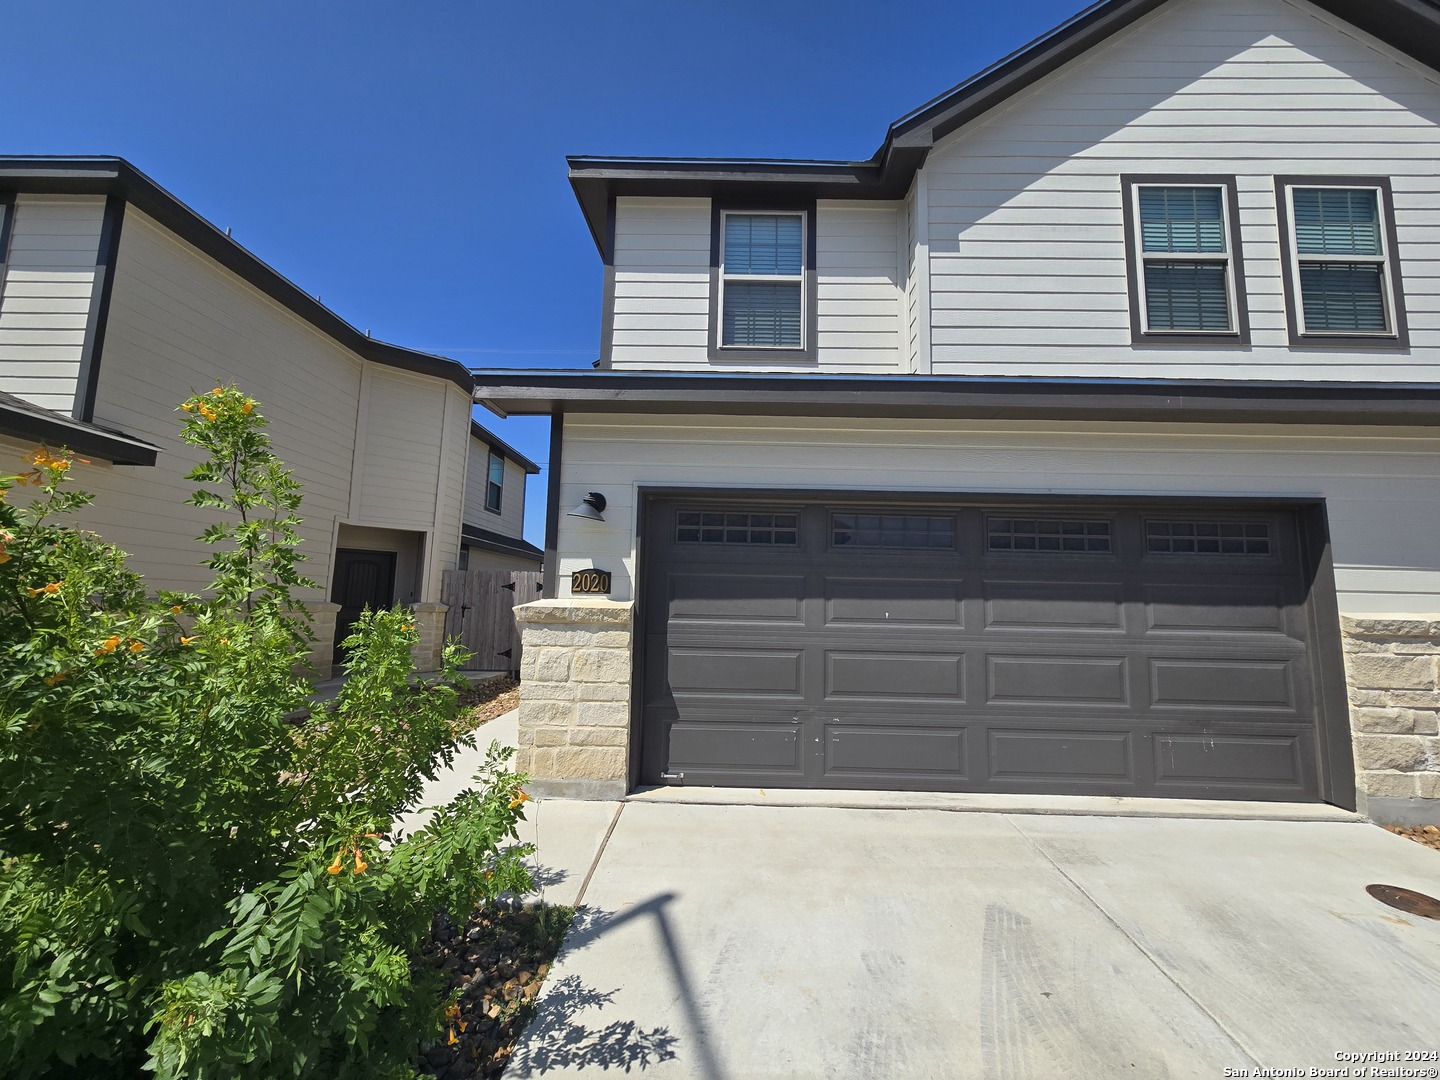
x=45, y=296
x=511, y=519
x=1382, y=487
x=1027, y=257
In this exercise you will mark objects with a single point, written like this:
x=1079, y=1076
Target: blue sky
x=407, y=161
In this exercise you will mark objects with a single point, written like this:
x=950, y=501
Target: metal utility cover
x=1155, y=649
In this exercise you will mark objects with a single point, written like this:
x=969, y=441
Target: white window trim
x=1387, y=286
x=1225, y=258
x=761, y=279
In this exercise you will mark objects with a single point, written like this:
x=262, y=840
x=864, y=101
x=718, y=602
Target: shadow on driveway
x=555, y=1040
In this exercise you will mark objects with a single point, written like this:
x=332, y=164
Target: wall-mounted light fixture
x=591, y=507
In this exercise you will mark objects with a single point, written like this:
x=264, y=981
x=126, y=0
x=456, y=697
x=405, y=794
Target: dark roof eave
x=483, y=434
x=962, y=397
x=23, y=421
x=487, y=540
x=115, y=176
x=1411, y=26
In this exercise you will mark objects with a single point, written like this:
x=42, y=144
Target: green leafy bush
x=195, y=881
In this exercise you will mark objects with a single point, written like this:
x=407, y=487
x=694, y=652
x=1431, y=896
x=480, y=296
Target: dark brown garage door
x=1155, y=649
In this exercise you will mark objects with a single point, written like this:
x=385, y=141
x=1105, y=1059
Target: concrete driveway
x=738, y=942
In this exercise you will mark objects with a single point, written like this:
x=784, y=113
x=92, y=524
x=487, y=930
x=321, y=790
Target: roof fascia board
x=959, y=397
x=115, y=176
x=481, y=433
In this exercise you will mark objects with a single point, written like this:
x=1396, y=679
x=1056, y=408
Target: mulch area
x=486, y=700
x=1429, y=835
x=498, y=961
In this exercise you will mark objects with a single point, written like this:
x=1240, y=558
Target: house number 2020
x=590, y=581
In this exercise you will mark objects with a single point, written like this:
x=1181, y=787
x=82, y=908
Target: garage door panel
x=885, y=750
x=1074, y=756
x=1071, y=680
x=1242, y=684
x=899, y=675
x=773, y=747
x=1055, y=605
x=1245, y=608
x=736, y=597
x=894, y=602
x=1209, y=758
x=748, y=672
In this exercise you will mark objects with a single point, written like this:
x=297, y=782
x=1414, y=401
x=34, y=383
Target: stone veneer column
x=1392, y=665
x=430, y=625
x=322, y=649
x=575, y=697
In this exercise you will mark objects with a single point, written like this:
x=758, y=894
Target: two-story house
x=117, y=301
x=1080, y=441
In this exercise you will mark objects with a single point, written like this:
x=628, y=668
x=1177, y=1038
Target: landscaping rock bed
x=498, y=960
x=486, y=700
x=1429, y=835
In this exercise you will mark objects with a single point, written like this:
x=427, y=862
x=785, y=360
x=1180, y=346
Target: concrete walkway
x=740, y=942
x=567, y=835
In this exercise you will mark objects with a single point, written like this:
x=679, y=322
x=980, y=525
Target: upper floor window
x=1186, y=284
x=1342, y=278
x=494, y=482
x=763, y=288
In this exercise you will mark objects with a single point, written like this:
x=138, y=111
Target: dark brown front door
x=1073, y=648
x=362, y=579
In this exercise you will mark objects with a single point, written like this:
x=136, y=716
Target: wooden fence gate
x=482, y=613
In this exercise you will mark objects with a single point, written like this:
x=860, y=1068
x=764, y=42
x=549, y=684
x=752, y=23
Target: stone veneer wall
x=430, y=625
x=575, y=697
x=1392, y=666
x=322, y=649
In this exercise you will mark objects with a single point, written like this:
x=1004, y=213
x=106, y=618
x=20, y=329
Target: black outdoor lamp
x=590, y=507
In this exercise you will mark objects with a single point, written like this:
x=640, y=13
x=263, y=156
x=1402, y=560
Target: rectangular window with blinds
x=763, y=263
x=1183, y=247
x=1341, y=275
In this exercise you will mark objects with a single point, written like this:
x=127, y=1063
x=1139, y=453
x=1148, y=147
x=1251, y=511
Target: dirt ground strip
x=486, y=700
x=498, y=961
x=1429, y=835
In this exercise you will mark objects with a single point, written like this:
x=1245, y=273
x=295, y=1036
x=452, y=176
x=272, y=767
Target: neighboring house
x=1058, y=448
x=117, y=300
x=490, y=536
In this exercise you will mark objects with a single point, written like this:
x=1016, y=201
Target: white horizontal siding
x=662, y=284
x=1381, y=487
x=662, y=289
x=857, y=289
x=510, y=521
x=1027, y=255
x=45, y=296
x=181, y=323
x=450, y=499
x=401, y=449
x=480, y=559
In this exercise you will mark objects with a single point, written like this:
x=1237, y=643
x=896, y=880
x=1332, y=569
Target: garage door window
x=892, y=531
x=1207, y=538
x=722, y=527
x=1048, y=534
